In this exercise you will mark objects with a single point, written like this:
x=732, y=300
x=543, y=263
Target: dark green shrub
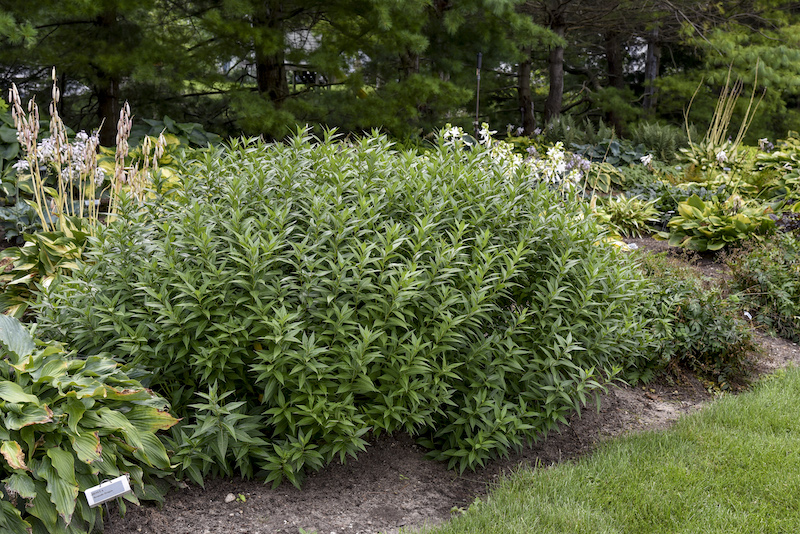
x=567, y=130
x=697, y=326
x=68, y=423
x=767, y=275
x=324, y=290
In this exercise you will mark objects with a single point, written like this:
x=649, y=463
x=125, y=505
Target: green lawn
x=733, y=467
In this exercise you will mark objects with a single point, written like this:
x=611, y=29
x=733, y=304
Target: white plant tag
x=110, y=489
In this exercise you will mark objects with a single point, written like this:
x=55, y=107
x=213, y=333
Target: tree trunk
x=525, y=95
x=271, y=76
x=409, y=64
x=651, y=68
x=552, y=106
x=270, y=60
x=107, y=88
x=613, y=48
x=108, y=111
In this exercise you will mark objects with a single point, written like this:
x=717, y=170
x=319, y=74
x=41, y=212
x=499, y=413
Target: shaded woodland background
x=261, y=67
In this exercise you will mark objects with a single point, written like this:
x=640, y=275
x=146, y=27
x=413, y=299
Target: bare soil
x=392, y=486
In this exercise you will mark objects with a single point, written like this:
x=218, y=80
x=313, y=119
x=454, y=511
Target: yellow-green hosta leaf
x=11, y=521
x=135, y=394
x=15, y=337
x=74, y=410
x=52, y=369
x=697, y=203
x=685, y=211
x=13, y=455
x=12, y=392
x=63, y=493
x=87, y=447
x=31, y=414
x=64, y=463
x=152, y=451
x=98, y=366
x=149, y=419
x=42, y=508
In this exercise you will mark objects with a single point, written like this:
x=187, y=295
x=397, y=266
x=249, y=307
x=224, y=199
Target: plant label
x=110, y=489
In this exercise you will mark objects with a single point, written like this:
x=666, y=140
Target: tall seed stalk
x=78, y=194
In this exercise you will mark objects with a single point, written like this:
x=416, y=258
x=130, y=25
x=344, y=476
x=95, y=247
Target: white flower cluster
x=75, y=159
x=558, y=167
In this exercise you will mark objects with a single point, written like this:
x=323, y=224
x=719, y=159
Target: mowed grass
x=733, y=467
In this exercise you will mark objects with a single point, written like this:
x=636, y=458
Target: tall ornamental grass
x=293, y=300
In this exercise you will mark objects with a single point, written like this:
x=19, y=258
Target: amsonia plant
x=307, y=296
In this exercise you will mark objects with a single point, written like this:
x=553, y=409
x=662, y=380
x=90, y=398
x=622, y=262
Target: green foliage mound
x=766, y=274
x=697, y=326
x=66, y=424
x=301, y=295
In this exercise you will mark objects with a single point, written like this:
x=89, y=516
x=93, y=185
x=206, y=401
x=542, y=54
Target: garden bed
x=392, y=486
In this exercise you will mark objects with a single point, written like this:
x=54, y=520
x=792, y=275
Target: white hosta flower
x=451, y=132
x=486, y=134
x=646, y=160
x=721, y=157
x=21, y=165
x=99, y=176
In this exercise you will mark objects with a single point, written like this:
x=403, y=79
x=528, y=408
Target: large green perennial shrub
x=66, y=424
x=304, y=294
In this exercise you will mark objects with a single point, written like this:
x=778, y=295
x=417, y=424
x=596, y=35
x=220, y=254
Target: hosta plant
x=66, y=424
x=68, y=191
x=710, y=225
x=605, y=177
x=307, y=296
x=629, y=217
x=38, y=261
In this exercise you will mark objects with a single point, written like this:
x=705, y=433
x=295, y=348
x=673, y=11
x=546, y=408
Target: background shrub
x=303, y=295
x=661, y=140
x=766, y=275
x=697, y=326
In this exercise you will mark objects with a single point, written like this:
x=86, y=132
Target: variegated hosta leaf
x=12, y=452
x=15, y=338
